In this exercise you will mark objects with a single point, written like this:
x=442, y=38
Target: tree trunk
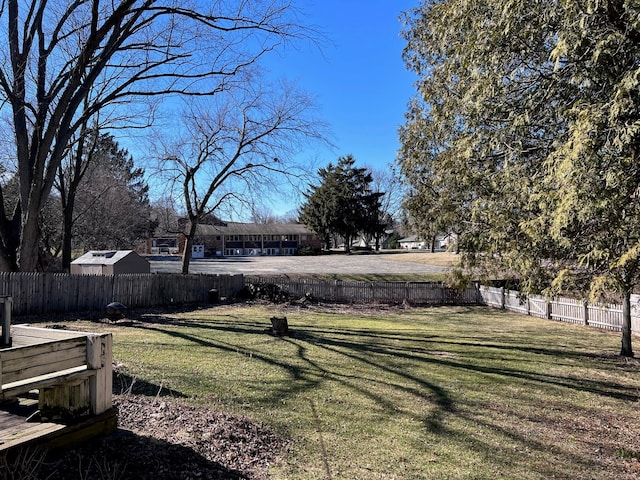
x=188, y=247
x=29, y=239
x=626, y=350
x=9, y=235
x=67, y=225
x=279, y=326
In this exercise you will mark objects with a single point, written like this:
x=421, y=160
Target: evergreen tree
x=343, y=204
x=103, y=198
x=526, y=131
x=112, y=207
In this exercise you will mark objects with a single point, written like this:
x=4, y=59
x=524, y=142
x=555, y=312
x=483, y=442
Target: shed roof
x=103, y=257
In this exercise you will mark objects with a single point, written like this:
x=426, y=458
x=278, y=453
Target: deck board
x=26, y=434
x=14, y=428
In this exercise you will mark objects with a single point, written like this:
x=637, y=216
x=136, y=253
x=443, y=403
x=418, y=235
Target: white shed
x=110, y=262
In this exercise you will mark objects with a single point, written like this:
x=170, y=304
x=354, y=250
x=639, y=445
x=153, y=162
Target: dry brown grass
x=439, y=259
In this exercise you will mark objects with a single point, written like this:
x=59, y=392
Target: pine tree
x=343, y=204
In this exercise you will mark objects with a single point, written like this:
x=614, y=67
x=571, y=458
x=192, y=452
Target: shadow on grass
x=402, y=361
x=128, y=456
x=385, y=345
x=123, y=383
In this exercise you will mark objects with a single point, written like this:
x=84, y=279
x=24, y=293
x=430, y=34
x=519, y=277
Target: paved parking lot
x=345, y=264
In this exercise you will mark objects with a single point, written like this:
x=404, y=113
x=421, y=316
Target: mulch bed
x=167, y=439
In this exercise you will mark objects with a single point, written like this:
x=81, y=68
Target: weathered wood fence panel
x=538, y=306
x=337, y=291
x=568, y=310
x=492, y=296
x=606, y=316
x=36, y=293
x=514, y=302
x=563, y=309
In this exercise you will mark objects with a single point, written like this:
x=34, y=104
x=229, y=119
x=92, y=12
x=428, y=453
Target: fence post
x=337, y=291
x=502, y=298
x=5, y=340
x=586, y=312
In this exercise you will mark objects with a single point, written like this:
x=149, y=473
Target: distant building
x=232, y=239
x=110, y=262
x=412, y=242
x=441, y=242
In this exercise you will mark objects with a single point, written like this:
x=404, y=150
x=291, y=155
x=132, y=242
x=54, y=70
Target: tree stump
x=279, y=326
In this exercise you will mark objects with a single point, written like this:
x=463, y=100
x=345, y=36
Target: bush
x=264, y=291
x=307, y=251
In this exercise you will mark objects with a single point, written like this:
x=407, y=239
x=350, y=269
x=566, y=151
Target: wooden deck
x=55, y=387
x=15, y=430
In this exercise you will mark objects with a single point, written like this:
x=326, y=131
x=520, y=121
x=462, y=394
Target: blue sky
x=358, y=77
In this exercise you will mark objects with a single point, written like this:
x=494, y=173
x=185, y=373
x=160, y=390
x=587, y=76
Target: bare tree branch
x=58, y=55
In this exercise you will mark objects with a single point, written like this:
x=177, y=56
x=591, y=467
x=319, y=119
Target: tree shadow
x=384, y=354
x=368, y=351
x=386, y=345
x=123, y=383
x=128, y=456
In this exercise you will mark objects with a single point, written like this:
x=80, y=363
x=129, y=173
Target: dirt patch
x=161, y=439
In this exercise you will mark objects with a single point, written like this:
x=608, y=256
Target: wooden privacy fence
x=563, y=309
x=337, y=291
x=36, y=293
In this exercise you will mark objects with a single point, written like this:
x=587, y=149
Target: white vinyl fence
x=562, y=309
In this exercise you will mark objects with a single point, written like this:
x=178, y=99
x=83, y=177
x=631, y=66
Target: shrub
x=264, y=291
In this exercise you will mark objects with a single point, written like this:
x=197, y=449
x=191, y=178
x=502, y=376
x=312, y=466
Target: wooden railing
x=71, y=370
x=5, y=321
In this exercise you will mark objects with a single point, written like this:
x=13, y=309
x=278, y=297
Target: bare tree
x=71, y=171
x=389, y=183
x=165, y=215
x=263, y=215
x=57, y=55
x=237, y=148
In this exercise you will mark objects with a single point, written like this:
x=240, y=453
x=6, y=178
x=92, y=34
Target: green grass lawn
x=437, y=393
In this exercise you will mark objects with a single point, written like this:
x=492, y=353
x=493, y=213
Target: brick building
x=238, y=239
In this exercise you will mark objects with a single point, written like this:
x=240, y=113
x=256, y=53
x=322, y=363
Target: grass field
x=438, y=393
x=442, y=259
